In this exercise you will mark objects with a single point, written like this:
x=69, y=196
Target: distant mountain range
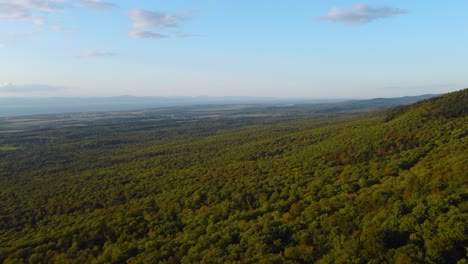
x=33, y=106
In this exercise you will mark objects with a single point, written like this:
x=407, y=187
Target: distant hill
x=453, y=104
x=384, y=186
x=373, y=104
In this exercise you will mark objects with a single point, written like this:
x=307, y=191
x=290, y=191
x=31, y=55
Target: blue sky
x=309, y=49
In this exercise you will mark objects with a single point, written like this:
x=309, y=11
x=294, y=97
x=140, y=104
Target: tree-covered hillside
x=381, y=187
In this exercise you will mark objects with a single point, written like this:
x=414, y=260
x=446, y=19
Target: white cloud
x=98, y=4
x=30, y=10
x=148, y=24
x=96, y=53
x=143, y=34
x=147, y=19
x=361, y=14
x=39, y=5
x=18, y=13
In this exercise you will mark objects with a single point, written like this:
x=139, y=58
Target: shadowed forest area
x=238, y=185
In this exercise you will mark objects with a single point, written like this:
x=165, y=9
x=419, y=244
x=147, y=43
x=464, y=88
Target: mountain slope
x=388, y=186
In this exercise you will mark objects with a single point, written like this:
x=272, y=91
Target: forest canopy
x=387, y=186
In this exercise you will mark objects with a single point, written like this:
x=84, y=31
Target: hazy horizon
x=305, y=49
x=22, y=106
x=211, y=97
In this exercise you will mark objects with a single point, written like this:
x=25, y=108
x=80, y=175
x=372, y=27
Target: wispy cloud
x=361, y=14
x=30, y=10
x=98, y=4
x=29, y=88
x=148, y=19
x=149, y=24
x=96, y=53
x=143, y=34
x=185, y=35
x=23, y=35
x=18, y=13
x=61, y=29
x=39, y=5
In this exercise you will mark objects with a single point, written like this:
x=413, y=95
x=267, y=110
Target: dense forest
x=384, y=186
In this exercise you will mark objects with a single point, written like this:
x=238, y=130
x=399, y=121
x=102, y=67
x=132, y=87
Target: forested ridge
x=388, y=186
